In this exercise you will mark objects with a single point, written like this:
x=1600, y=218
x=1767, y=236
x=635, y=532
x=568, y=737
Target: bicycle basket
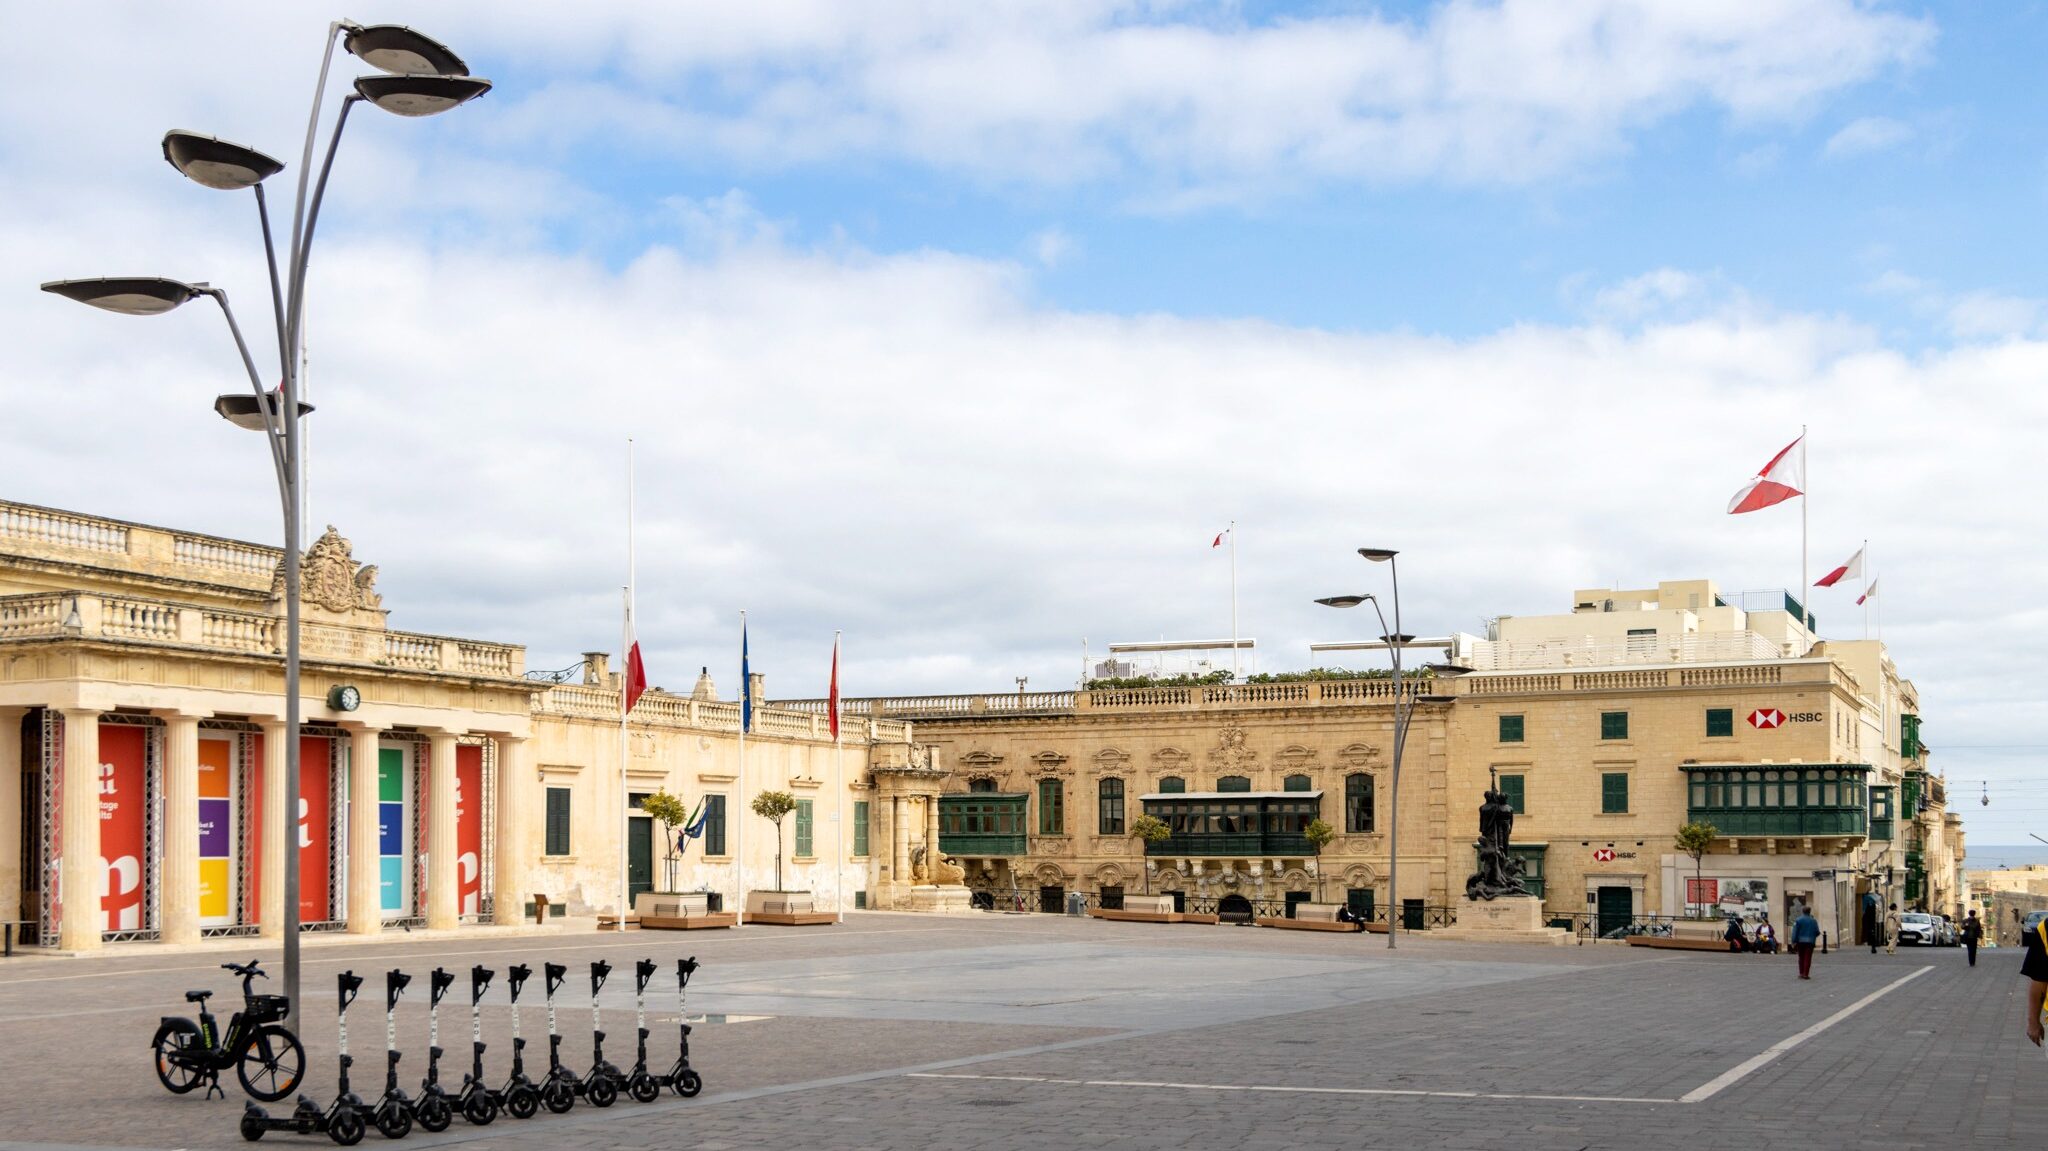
x=267, y=1008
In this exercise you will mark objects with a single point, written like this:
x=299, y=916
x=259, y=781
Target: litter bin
x=1077, y=903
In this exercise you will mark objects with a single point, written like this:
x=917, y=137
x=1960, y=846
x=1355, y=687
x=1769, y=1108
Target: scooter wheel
x=480, y=1109
x=254, y=1125
x=603, y=1092
x=346, y=1128
x=393, y=1121
x=688, y=1084
x=434, y=1114
x=522, y=1102
x=558, y=1097
x=643, y=1088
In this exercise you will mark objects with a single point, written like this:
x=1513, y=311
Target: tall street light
x=422, y=78
x=1403, y=705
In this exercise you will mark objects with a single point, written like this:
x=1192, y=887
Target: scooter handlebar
x=479, y=982
x=684, y=969
x=516, y=977
x=642, y=972
x=394, y=986
x=438, y=984
x=554, y=973
x=346, y=986
x=599, y=972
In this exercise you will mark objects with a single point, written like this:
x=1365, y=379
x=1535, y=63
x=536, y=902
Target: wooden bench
x=703, y=922
x=1121, y=915
x=793, y=918
x=1310, y=917
x=1678, y=943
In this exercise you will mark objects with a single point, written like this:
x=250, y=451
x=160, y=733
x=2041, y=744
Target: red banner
x=469, y=828
x=316, y=827
x=124, y=803
x=1700, y=891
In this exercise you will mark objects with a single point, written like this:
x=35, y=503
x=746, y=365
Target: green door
x=1617, y=909
x=1293, y=898
x=639, y=856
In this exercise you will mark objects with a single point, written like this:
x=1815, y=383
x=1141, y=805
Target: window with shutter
x=1720, y=721
x=1614, y=793
x=1296, y=783
x=1511, y=729
x=803, y=827
x=1052, y=819
x=558, y=821
x=860, y=827
x=1613, y=725
x=1109, y=807
x=1511, y=786
x=1172, y=785
x=1234, y=783
x=714, y=825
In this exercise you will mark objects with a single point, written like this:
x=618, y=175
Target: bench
x=713, y=919
x=687, y=911
x=1310, y=917
x=1678, y=943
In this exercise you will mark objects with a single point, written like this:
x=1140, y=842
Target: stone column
x=931, y=837
x=443, y=908
x=365, y=911
x=78, y=867
x=515, y=832
x=178, y=874
x=278, y=833
x=899, y=836
x=12, y=818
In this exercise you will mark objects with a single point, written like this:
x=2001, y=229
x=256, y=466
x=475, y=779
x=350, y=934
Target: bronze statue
x=1499, y=873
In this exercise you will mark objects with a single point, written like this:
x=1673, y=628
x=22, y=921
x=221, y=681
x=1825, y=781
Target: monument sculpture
x=1499, y=873
x=1497, y=906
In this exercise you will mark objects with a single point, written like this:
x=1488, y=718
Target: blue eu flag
x=746, y=684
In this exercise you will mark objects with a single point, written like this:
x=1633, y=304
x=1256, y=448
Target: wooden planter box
x=786, y=909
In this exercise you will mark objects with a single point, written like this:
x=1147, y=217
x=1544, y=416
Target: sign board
x=124, y=802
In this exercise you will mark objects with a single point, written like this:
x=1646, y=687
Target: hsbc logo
x=1766, y=717
x=1603, y=855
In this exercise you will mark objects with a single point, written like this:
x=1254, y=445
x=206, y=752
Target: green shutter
x=860, y=827
x=1051, y=820
x=1511, y=729
x=1172, y=785
x=1511, y=787
x=714, y=825
x=1234, y=783
x=803, y=827
x=1614, y=793
x=1720, y=721
x=558, y=821
x=1297, y=783
x=1613, y=725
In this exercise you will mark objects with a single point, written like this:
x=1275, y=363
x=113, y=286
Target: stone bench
x=1310, y=917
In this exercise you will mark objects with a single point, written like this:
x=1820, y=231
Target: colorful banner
x=124, y=804
x=216, y=833
x=392, y=855
x=252, y=846
x=469, y=828
x=316, y=827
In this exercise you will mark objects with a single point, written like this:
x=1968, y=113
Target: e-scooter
x=346, y=1118
x=478, y=1103
x=432, y=1109
x=558, y=1090
x=680, y=1078
x=640, y=1084
x=601, y=1085
x=521, y=1097
x=394, y=1111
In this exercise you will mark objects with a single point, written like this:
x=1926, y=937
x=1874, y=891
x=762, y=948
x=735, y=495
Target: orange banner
x=124, y=803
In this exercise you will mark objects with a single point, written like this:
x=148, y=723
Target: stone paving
x=1036, y=1031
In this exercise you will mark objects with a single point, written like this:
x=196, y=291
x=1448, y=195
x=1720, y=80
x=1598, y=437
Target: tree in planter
x=670, y=812
x=772, y=806
x=1319, y=834
x=1149, y=829
x=1693, y=839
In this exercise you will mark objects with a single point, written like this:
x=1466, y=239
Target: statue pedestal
x=946, y=899
x=1509, y=919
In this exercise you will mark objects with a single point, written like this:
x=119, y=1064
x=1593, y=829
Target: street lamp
x=1404, y=704
x=423, y=77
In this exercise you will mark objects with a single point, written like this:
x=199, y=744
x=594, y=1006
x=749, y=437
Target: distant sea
x=1992, y=856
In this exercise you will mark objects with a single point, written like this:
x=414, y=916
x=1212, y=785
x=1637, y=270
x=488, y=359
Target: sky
x=965, y=328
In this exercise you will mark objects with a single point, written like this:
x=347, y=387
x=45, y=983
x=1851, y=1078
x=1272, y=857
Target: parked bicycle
x=266, y=1056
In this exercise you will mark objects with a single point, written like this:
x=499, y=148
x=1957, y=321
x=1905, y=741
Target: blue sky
x=963, y=328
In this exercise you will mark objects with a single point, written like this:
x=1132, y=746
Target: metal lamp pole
x=1403, y=706
x=422, y=78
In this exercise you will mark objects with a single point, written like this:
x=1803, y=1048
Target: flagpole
x=1233, y=601
x=838, y=792
x=625, y=686
x=1805, y=499
x=739, y=816
x=1866, y=600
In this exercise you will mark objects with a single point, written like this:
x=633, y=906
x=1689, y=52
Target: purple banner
x=214, y=829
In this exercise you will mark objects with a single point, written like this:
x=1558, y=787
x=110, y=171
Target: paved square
x=1007, y=1031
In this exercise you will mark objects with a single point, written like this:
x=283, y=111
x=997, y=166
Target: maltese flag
x=1220, y=536
x=1869, y=593
x=1780, y=480
x=1849, y=571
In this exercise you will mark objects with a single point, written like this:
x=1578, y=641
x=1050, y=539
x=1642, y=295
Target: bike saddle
x=198, y=996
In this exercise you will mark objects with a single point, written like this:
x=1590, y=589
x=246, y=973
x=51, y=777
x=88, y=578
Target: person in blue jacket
x=1805, y=933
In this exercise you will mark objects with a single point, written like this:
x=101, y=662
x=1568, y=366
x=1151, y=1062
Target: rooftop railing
x=51, y=534
x=659, y=709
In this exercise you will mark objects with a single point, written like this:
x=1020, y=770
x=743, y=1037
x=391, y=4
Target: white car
x=1919, y=927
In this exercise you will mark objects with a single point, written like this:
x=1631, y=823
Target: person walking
x=1806, y=933
x=2034, y=968
x=1973, y=934
x=1891, y=930
x=1870, y=920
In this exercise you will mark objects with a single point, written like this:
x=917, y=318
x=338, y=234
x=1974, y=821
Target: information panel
x=216, y=832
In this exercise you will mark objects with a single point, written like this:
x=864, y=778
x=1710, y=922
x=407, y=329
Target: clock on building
x=344, y=697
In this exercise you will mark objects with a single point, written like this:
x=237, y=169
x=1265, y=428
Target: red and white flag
x=1218, y=541
x=1851, y=570
x=1869, y=593
x=636, y=673
x=1780, y=480
x=832, y=698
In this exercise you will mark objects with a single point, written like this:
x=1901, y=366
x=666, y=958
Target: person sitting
x=1737, y=941
x=1766, y=937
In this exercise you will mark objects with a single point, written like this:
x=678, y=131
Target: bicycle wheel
x=603, y=1092
x=394, y=1121
x=433, y=1113
x=271, y=1064
x=171, y=1048
x=688, y=1084
x=347, y=1127
x=522, y=1102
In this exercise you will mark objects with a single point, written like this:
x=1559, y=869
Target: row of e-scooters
x=394, y=1112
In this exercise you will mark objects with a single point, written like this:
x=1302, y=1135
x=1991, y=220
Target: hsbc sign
x=1767, y=718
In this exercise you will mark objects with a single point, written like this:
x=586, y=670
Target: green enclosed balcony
x=1234, y=824
x=983, y=824
x=1779, y=800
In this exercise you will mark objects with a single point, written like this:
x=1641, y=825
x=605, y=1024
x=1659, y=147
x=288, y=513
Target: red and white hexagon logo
x=1603, y=855
x=1766, y=717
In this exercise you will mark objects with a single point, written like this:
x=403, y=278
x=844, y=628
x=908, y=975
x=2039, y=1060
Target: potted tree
x=773, y=806
x=1319, y=834
x=1693, y=839
x=669, y=811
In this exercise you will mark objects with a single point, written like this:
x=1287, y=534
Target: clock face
x=345, y=698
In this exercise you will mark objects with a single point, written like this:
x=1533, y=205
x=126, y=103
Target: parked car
x=1919, y=927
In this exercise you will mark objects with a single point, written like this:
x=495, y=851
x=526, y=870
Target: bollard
x=1823, y=943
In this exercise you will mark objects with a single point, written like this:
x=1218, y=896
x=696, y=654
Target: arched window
x=1296, y=783
x=981, y=785
x=1234, y=783
x=1172, y=785
x=1109, y=807
x=1358, y=803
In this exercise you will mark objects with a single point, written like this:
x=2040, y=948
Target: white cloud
x=1864, y=136
x=1052, y=246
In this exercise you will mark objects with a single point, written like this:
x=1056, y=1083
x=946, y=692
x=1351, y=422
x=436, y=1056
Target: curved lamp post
x=423, y=77
x=1404, y=704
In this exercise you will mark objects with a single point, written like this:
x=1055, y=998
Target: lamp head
x=399, y=50
x=242, y=410
x=1398, y=639
x=420, y=94
x=1378, y=555
x=217, y=163
x=128, y=295
x=1343, y=600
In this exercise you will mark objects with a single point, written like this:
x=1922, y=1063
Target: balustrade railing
x=662, y=710
x=43, y=525
x=32, y=615
x=225, y=555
